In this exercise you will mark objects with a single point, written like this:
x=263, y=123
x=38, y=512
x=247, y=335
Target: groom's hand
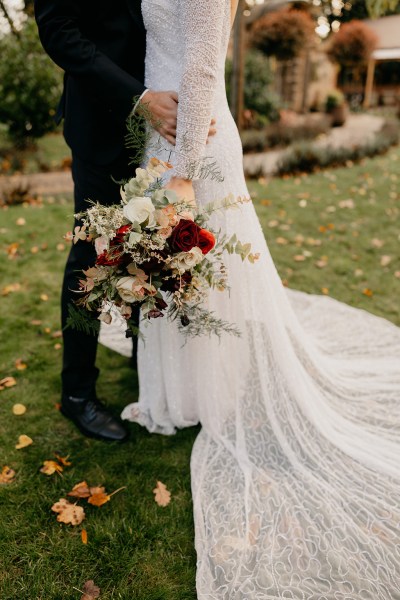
x=161, y=109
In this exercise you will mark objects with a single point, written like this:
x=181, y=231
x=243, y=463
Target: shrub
x=257, y=79
x=283, y=33
x=16, y=194
x=277, y=135
x=30, y=86
x=307, y=157
x=334, y=99
x=353, y=44
x=254, y=140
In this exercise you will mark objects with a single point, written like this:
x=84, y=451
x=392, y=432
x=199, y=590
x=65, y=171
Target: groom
x=101, y=47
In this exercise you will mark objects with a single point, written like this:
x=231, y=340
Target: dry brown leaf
x=97, y=490
x=57, y=346
x=36, y=322
x=321, y=263
x=385, y=260
x=281, y=241
x=161, y=495
x=63, y=460
x=9, y=289
x=7, y=475
x=368, y=292
x=21, y=221
x=325, y=291
x=50, y=467
x=99, y=496
x=44, y=297
x=377, y=243
x=12, y=249
x=99, y=499
x=7, y=382
x=56, y=334
x=68, y=513
x=19, y=409
x=35, y=249
x=23, y=442
x=84, y=536
x=299, y=258
x=80, y=490
x=90, y=591
x=20, y=365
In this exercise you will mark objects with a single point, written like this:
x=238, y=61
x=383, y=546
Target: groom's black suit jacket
x=100, y=44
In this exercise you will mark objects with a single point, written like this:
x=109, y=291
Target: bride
x=296, y=471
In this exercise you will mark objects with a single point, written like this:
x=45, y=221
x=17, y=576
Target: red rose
x=110, y=258
x=114, y=255
x=206, y=241
x=120, y=235
x=184, y=236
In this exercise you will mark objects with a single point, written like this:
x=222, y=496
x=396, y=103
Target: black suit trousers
x=92, y=182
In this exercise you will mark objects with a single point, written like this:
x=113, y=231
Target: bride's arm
x=202, y=23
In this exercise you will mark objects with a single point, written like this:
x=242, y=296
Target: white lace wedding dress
x=296, y=471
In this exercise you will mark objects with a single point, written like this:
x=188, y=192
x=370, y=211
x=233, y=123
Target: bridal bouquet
x=154, y=250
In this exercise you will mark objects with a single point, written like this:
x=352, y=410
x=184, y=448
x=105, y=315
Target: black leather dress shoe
x=93, y=419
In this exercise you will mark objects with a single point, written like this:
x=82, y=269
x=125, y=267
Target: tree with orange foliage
x=283, y=33
x=353, y=44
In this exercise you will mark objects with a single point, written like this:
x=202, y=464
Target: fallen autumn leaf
x=7, y=475
x=161, y=495
x=23, y=441
x=68, y=513
x=90, y=591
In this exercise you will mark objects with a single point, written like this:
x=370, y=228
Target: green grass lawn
x=341, y=222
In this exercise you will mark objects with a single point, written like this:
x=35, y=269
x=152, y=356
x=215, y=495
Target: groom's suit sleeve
x=203, y=26
x=58, y=25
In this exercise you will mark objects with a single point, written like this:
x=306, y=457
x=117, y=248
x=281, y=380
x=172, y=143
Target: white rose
x=132, y=289
x=126, y=287
x=140, y=209
x=187, y=260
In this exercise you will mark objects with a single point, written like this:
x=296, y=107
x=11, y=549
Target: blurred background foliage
x=30, y=86
x=278, y=68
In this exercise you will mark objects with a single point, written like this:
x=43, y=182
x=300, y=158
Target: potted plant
x=336, y=107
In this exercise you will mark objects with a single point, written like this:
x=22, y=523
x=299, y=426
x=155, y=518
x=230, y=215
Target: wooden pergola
x=387, y=29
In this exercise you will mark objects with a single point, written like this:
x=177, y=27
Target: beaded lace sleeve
x=203, y=25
